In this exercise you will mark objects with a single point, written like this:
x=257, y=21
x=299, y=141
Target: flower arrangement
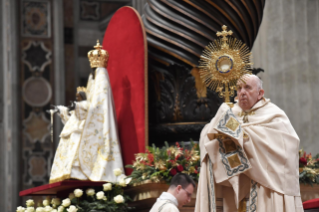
x=308, y=168
x=110, y=198
x=161, y=164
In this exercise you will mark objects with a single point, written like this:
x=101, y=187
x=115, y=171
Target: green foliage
x=309, y=168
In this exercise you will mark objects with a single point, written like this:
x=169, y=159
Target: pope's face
x=248, y=93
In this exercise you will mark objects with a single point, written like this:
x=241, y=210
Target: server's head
x=182, y=187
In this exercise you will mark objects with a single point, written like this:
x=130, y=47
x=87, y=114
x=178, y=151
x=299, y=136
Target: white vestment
x=92, y=151
x=165, y=203
x=250, y=166
x=66, y=164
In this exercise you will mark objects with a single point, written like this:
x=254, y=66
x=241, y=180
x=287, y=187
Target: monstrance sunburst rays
x=223, y=62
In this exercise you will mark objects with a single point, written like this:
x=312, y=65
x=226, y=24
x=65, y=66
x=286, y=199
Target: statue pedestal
x=62, y=188
x=144, y=196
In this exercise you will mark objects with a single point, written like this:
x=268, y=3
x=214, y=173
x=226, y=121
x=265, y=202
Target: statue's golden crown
x=81, y=89
x=98, y=57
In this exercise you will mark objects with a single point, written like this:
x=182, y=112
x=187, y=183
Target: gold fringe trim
x=63, y=177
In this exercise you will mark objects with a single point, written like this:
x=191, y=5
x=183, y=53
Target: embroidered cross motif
x=232, y=124
x=229, y=125
x=234, y=161
x=230, y=146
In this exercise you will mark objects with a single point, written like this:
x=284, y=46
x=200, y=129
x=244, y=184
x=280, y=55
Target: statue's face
x=78, y=97
x=248, y=93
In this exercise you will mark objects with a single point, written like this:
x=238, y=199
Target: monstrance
x=223, y=62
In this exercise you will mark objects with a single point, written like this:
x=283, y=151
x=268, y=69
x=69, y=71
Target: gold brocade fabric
x=99, y=150
x=89, y=148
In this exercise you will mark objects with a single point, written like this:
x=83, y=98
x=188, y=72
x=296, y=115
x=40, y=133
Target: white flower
x=48, y=208
x=40, y=209
x=30, y=203
x=107, y=186
x=66, y=202
x=100, y=195
x=56, y=201
x=72, y=208
x=60, y=209
x=46, y=202
x=71, y=196
x=30, y=209
x=117, y=172
x=104, y=198
x=90, y=192
x=78, y=192
x=119, y=199
x=54, y=210
x=20, y=209
x=122, y=183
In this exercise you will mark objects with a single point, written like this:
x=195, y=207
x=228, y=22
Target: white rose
x=78, y=192
x=48, y=209
x=46, y=202
x=72, y=208
x=90, y=192
x=30, y=203
x=30, y=209
x=104, y=198
x=122, y=183
x=117, y=172
x=54, y=210
x=66, y=202
x=71, y=196
x=39, y=209
x=107, y=186
x=56, y=201
x=20, y=209
x=60, y=209
x=119, y=199
x=100, y=195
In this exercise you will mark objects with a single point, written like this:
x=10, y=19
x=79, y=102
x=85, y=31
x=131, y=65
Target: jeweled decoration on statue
x=98, y=57
x=223, y=62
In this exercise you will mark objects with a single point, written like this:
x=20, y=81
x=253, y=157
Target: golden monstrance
x=223, y=62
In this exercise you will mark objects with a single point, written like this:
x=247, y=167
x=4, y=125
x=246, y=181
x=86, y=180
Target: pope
x=249, y=156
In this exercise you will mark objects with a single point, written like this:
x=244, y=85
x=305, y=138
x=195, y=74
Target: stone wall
x=9, y=113
x=287, y=47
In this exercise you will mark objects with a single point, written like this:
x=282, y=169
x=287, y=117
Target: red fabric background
x=311, y=204
x=125, y=41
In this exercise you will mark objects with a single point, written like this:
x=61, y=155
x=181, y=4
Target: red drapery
x=125, y=40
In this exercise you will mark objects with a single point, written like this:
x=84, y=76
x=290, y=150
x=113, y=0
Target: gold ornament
x=194, y=158
x=175, y=151
x=98, y=57
x=160, y=165
x=223, y=62
x=81, y=89
x=141, y=157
